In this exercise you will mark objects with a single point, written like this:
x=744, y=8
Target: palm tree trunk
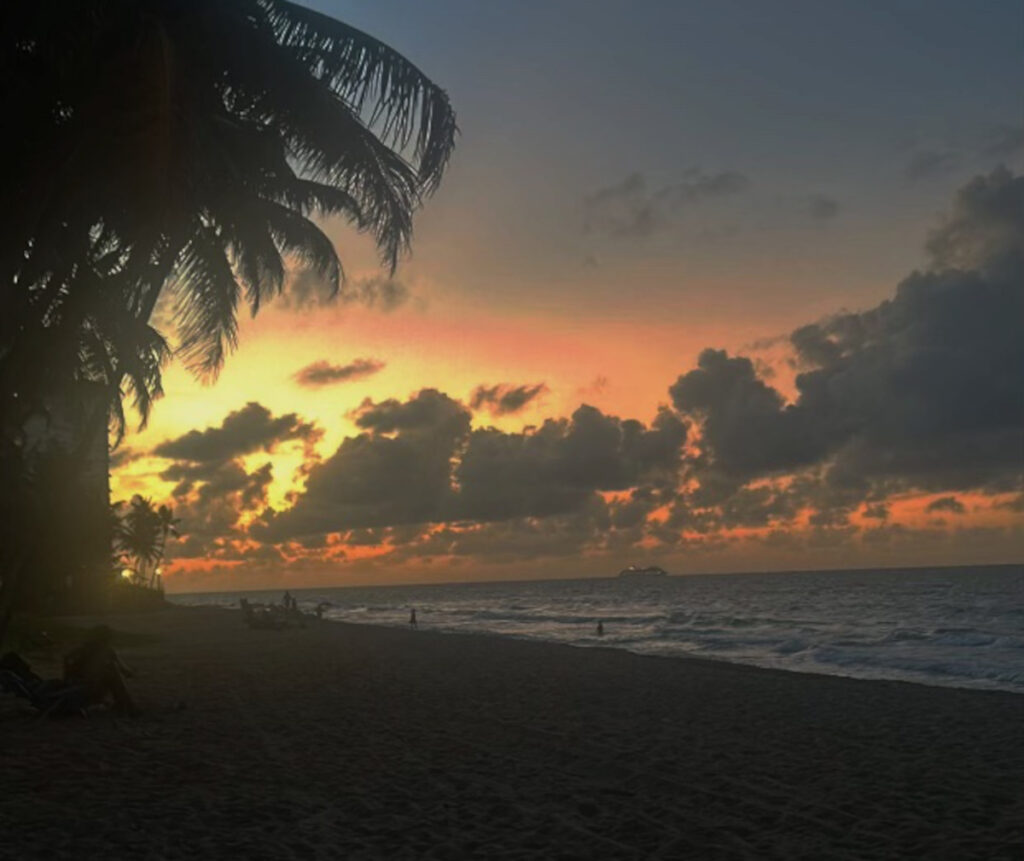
x=13, y=579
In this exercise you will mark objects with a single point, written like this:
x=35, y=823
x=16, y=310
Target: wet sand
x=341, y=741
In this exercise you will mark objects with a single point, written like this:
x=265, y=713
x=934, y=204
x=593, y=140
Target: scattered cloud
x=1003, y=142
x=505, y=398
x=307, y=290
x=597, y=386
x=323, y=373
x=631, y=209
x=821, y=207
x=983, y=147
x=384, y=294
x=930, y=164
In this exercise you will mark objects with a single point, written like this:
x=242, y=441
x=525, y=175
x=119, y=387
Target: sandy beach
x=340, y=741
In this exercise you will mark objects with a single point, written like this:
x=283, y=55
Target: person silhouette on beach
x=412, y=618
x=97, y=668
x=600, y=628
x=287, y=600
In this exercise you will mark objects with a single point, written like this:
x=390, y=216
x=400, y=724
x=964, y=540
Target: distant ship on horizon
x=649, y=571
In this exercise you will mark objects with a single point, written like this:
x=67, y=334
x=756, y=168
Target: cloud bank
x=917, y=398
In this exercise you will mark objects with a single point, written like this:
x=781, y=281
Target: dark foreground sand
x=354, y=742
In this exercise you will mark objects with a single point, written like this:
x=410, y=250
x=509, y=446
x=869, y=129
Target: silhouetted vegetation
x=140, y=534
x=175, y=154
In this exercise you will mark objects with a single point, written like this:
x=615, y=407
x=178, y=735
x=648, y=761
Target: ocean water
x=960, y=627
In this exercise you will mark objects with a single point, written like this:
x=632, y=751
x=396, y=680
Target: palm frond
x=403, y=102
x=328, y=142
x=189, y=144
x=207, y=299
x=301, y=238
x=255, y=256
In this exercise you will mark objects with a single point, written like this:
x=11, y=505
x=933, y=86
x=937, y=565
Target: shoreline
x=368, y=741
x=689, y=658
x=935, y=681
x=695, y=659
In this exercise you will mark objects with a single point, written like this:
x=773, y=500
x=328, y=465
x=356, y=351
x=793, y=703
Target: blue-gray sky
x=882, y=108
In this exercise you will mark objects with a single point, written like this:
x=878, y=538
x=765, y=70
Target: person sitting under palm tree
x=96, y=667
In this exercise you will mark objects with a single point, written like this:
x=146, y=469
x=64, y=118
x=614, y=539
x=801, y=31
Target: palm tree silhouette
x=143, y=534
x=179, y=150
x=168, y=526
x=199, y=140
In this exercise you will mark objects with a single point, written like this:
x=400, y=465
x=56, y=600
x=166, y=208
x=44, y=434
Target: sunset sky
x=716, y=286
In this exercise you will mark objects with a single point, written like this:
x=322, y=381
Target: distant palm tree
x=168, y=526
x=197, y=139
x=143, y=534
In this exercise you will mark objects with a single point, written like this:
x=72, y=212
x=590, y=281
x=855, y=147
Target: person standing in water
x=412, y=618
x=600, y=628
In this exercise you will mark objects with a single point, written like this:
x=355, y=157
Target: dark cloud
x=249, y=429
x=746, y=424
x=923, y=389
x=1015, y=504
x=820, y=207
x=504, y=398
x=516, y=539
x=213, y=489
x=984, y=230
x=630, y=209
x=323, y=373
x=210, y=500
x=208, y=482
x=932, y=163
x=560, y=465
x=947, y=503
x=878, y=511
x=920, y=393
x=397, y=471
x=429, y=411
x=418, y=462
